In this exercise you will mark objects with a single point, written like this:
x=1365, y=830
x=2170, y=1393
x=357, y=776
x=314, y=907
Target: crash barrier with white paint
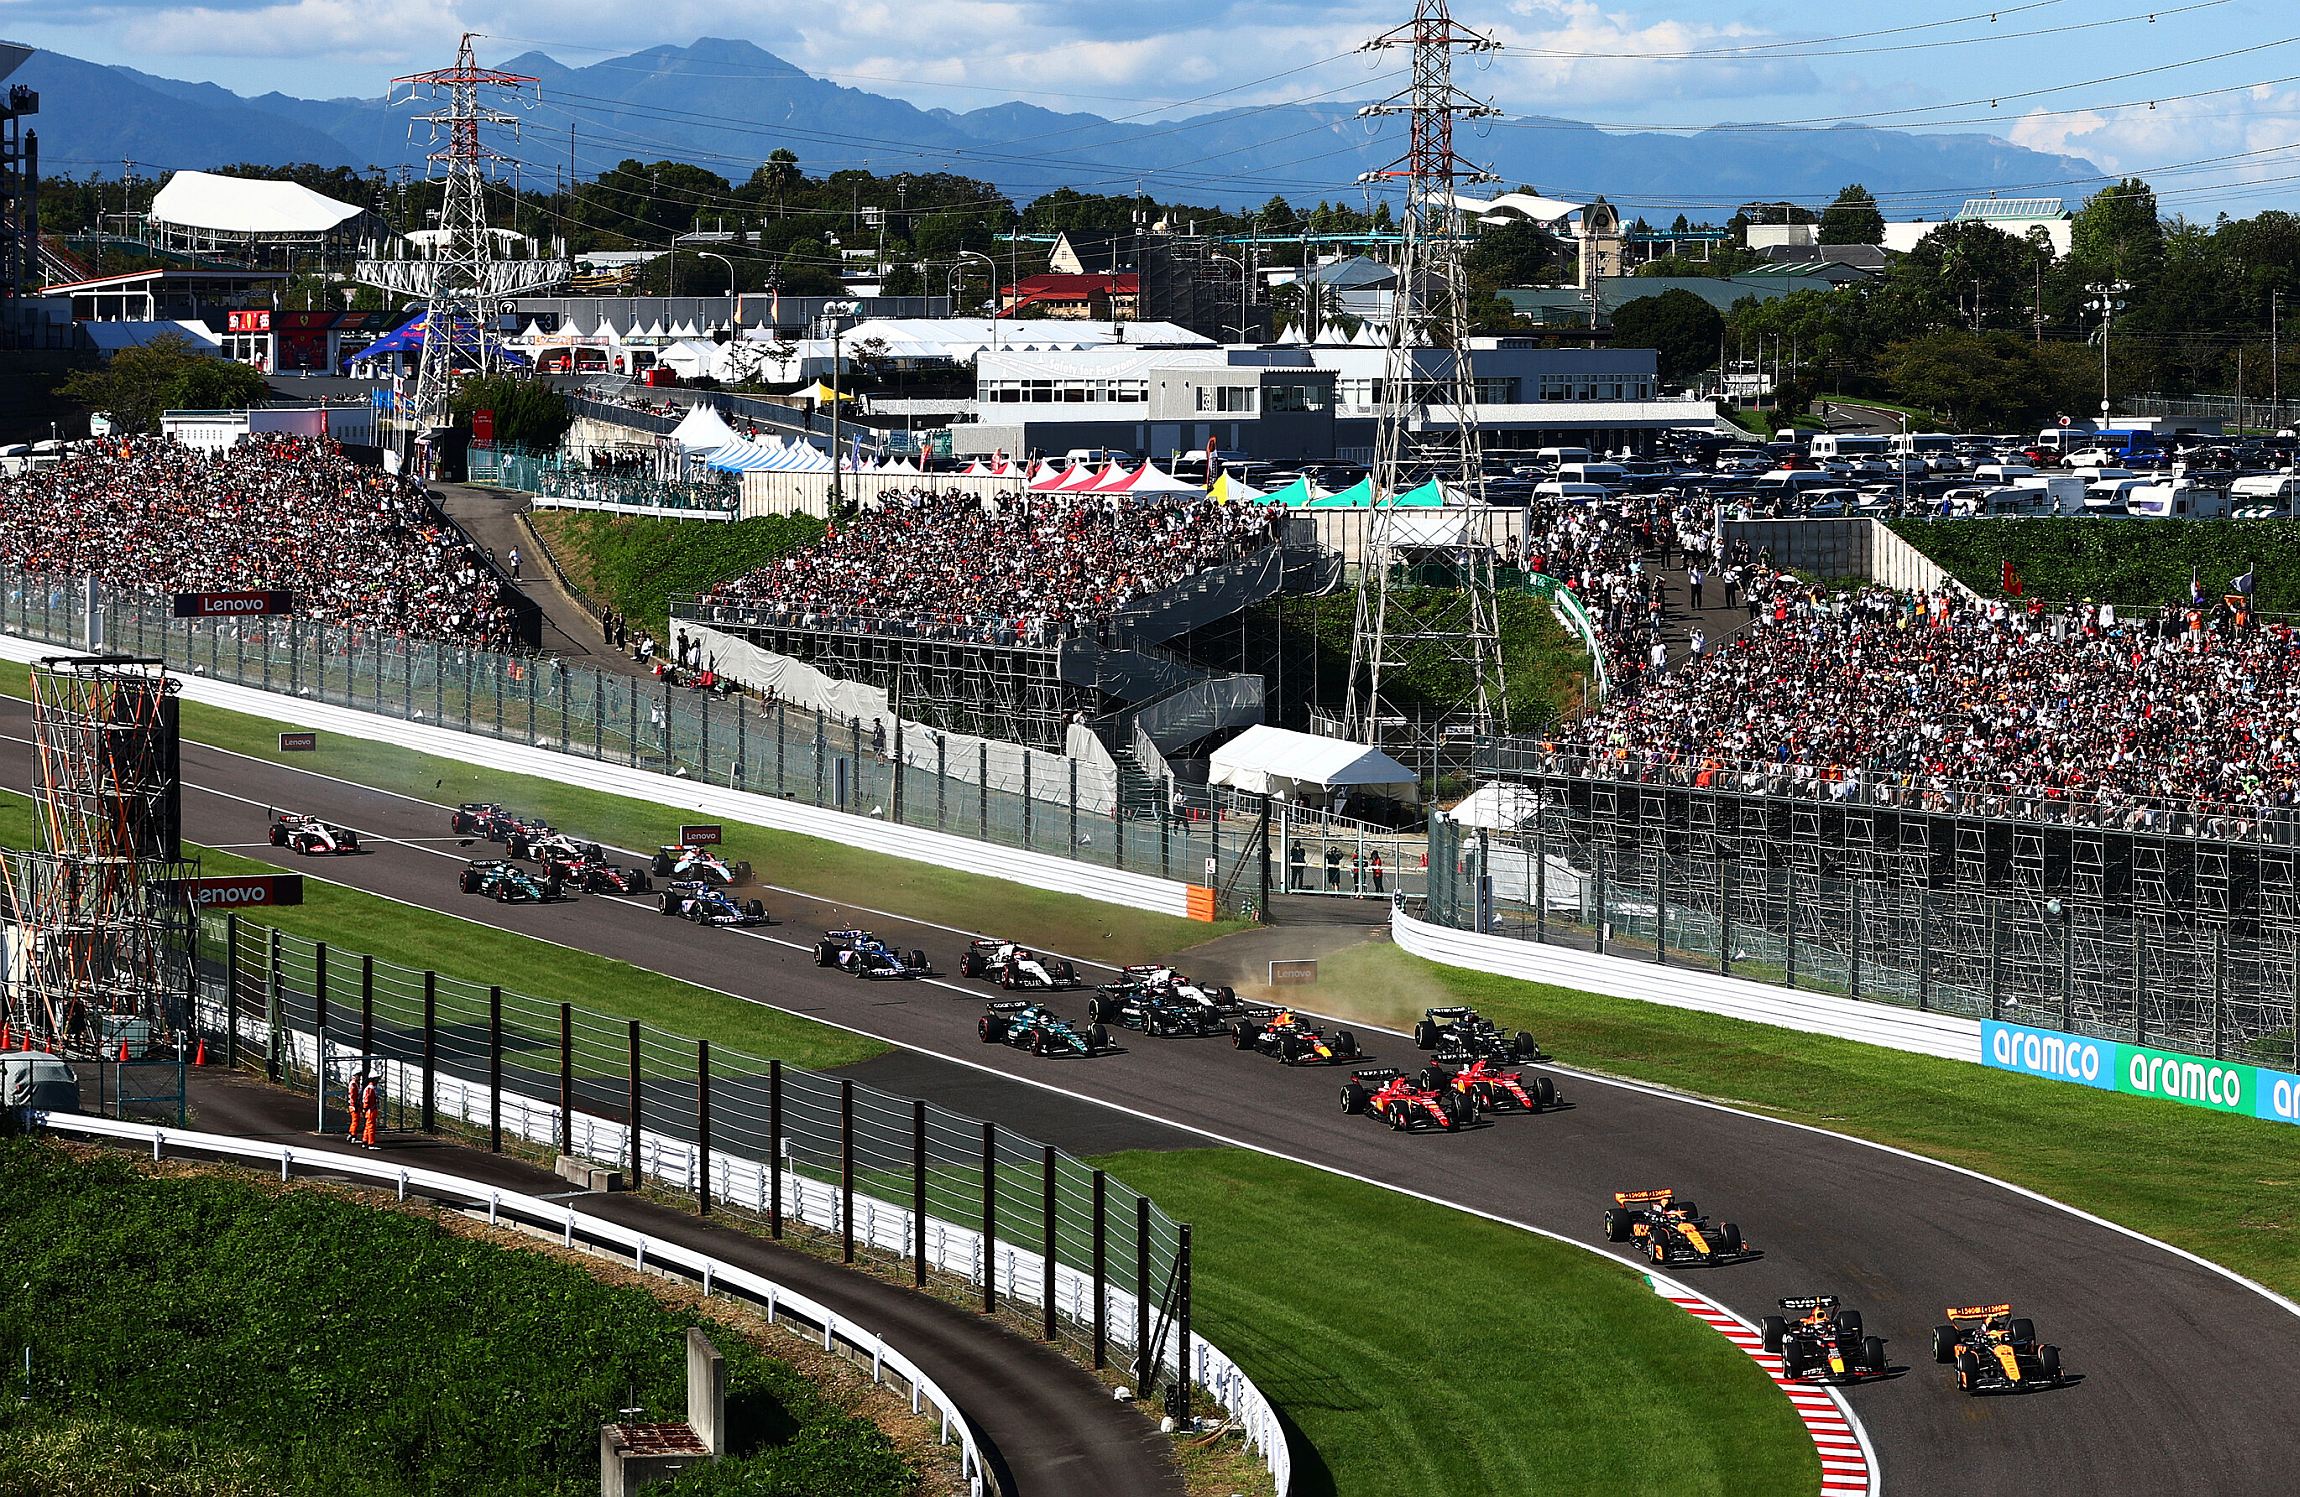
x=1945, y=1036
x=892, y=1178
x=723, y=758
x=620, y=507
x=573, y=1228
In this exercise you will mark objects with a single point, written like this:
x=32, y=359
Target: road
x=2187, y=1374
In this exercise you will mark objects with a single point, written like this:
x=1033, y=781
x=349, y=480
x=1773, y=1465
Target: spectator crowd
x=1028, y=569
x=356, y=546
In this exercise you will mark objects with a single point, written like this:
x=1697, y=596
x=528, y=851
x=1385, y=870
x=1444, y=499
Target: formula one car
x=1012, y=966
x=1671, y=1230
x=1406, y=1104
x=1281, y=1032
x=509, y=882
x=1460, y=1035
x=1160, y=1001
x=699, y=862
x=492, y=823
x=525, y=842
x=1026, y=1026
x=1493, y=1088
x=705, y=903
x=1995, y=1351
x=311, y=836
x=598, y=876
x=1817, y=1342
x=865, y=955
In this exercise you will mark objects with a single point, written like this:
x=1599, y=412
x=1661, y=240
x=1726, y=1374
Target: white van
x=2002, y=473
x=2272, y=488
x=2108, y=496
x=1848, y=445
x=2055, y=493
x=1794, y=481
x=1558, y=457
x=1098, y=456
x=2177, y=500
x=1564, y=492
x=1612, y=475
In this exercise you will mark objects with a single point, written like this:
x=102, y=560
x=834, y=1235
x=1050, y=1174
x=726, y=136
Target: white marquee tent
x=241, y=205
x=1293, y=766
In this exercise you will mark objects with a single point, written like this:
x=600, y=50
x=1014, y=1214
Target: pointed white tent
x=703, y=430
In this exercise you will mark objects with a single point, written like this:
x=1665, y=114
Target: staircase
x=1140, y=793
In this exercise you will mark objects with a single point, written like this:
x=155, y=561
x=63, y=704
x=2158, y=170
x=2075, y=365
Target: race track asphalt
x=2187, y=1376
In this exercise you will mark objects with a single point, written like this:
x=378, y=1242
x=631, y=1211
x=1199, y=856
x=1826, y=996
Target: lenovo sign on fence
x=243, y=891
x=233, y=605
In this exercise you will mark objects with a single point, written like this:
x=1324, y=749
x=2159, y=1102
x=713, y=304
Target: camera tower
x=1425, y=582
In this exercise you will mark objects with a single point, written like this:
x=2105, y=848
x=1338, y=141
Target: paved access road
x=2187, y=1376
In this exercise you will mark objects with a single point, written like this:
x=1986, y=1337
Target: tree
x=2117, y=233
x=1681, y=329
x=779, y=175
x=1982, y=381
x=1517, y=253
x=1853, y=218
x=167, y=374
x=528, y=412
x=903, y=280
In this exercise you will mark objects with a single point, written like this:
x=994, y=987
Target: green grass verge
x=837, y=874
x=1420, y=1349
x=2223, y=1187
x=634, y=565
x=393, y=932
x=2117, y=561
x=298, y=1341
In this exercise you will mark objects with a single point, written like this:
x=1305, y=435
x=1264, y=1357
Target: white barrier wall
x=1034, y=870
x=1943, y=1036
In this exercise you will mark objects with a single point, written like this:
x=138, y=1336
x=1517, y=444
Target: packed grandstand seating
x=1608, y=553
x=2160, y=719
x=356, y=546
x=1025, y=570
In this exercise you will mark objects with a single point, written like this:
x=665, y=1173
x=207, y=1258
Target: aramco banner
x=2135, y=1070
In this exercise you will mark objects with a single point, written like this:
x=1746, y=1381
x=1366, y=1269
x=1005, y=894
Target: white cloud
x=2195, y=152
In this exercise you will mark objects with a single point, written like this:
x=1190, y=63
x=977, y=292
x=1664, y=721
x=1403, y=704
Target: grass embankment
x=2223, y=1187
x=1420, y=1349
x=828, y=870
x=1544, y=665
x=633, y=565
x=393, y=932
x=209, y=1333
x=2117, y=561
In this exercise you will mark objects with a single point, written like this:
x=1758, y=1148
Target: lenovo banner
x=232, y=605
x=707, y=835
x=242, y=891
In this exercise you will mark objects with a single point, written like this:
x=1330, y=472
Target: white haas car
x=691, y=862
x=1012, y=966
x=311, y=836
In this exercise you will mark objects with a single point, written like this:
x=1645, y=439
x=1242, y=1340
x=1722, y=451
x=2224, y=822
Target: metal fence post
x=846, y=1170
x=2219, y=986
x=274, y=1009
x=1597, y=885
x=636, y=1119
x=780, y=778
x=1046, y=1262
x=774, y=1148
x=1996, y=965
x=1924, y=951
x=495, y=1069
x=918, y=1193
x=1145, y=1359
x=1101, y=1271
x=941, y=781
x=982, y=786
x=1788, y=925
x=1661, y=901
x=566, y=1078
x=1725, y=917
x=1027, y=808
x=1853, y=936
x=232, y=989
x=367, y=1006
x=703, y=1127
x=1073, y=808
x=989, y=1218
x=1182, y=1296
x=2139, y=989
x=2067, y=967
x=319, y=1001
x=430, y=1049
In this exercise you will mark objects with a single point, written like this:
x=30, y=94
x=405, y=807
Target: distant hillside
x=724, y=105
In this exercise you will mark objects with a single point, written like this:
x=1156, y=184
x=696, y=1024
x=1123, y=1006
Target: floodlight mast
x=1447, y=631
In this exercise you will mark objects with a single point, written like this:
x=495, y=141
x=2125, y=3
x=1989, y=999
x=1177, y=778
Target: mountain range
x=723, y=105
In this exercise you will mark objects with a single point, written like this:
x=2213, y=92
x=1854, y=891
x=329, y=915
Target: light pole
x=723, y=260
x=991, y=266
x=1240, y=324
x=837, y=312
x=2107, y=300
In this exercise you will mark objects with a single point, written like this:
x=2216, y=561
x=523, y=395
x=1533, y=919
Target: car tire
x=1097, y=1038
x=668, y=904
x=970, y=965
x=640, y=882
x=1460, y=1107
x=1038, y=1042
x=516, y=849
x=827, y=956
x=742, y=873
x=2023, y=1331
x=756, y=909
x=1544, y=1093
x=1944, y=1344
x=1354, y=1099
x=918, y=961
x=1968, y=1370
x=468, y=882
x=2048, y=1363
x=279, y=835
x=1066, y=974
x=1729, y=1240
x=661, y=866
x=1524, y=1045
x=1397, y=1116
x=1346, y=1045
x=1094, y=1010
x=1873, y=1353
x=1771, y=1328
x=1617, y=1225
x=553, y=889
x=700, y=913
x=1425, y=1035
x=1243, y=1035
x=1849, y=1324
x=503, y=892
x=992, y=1029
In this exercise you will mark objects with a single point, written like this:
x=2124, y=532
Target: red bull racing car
x=1672, y=1231
x=1012, y=966
x=1405, y=1103
x=1819, y=1343
x=1282, y=1033
x=706, y=903
x=1996, y=1351
x=311, y=836
x=699, y=862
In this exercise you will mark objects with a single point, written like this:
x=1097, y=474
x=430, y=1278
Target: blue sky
x=2062, y=75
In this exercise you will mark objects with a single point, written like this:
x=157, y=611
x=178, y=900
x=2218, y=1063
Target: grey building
x=1270, y=403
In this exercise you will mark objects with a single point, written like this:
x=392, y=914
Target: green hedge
x=633, y=564
x=2117, y=561
x=208, y=1334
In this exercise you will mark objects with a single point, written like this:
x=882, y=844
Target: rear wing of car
x=1448, y=1013
x=1377, y=1075
x=1642, y=1197
x=1960, y=1313
x=1009, y=1006
x=1810, y=1302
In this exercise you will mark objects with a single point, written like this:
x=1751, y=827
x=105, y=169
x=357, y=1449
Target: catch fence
x=808, y=756
x=1020, y=1227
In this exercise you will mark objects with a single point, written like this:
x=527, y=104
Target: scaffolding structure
x=1011, y=692
x=1426, y=603
x=19, y=180
x=104, y=943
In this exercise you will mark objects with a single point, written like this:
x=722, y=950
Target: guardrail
x=1028, y=1226
x=644, y=1250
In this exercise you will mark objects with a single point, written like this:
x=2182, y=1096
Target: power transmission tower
x=1426, y=609
x=460, y=281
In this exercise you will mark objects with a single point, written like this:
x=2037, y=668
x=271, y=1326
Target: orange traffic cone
x=123, y=1052
x=7, y=1041
x=200, y=1056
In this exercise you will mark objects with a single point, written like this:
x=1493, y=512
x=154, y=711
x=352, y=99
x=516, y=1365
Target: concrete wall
x=1837, y=549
